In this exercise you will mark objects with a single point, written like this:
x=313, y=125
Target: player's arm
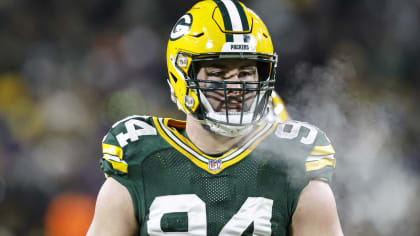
x=114, y=211
x=316, y=212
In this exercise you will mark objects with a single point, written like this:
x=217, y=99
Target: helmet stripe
x=234, y=18
x=234, y=15
x=245, y=25
x=226, y=19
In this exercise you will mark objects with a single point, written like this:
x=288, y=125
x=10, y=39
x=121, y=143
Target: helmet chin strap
x=226, y=130
x=234, y=117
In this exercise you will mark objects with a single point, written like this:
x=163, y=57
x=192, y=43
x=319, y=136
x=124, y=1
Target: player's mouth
x=234, y=103
x=235, y=107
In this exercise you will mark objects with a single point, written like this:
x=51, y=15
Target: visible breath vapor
x=371, y=186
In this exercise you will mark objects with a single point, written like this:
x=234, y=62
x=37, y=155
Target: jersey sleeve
x=123, y=148
x=123, y=144
x=112, y=162
x=309, y=155
x=320, y=162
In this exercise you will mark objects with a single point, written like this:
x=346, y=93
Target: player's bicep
x=114, y=211
x=316, y=212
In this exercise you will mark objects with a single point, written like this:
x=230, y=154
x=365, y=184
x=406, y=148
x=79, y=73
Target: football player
x=227, y=169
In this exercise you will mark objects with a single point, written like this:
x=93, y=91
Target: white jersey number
x=294, y=132
x=135, y=129
x=255, y=210
x=190, y=203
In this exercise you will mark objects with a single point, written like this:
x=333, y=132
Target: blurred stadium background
x=70, y=69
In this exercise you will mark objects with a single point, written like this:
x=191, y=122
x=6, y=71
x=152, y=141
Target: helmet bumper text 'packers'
x=220, y=31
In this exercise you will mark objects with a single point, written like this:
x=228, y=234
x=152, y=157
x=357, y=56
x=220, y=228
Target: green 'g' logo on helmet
x=182, y=27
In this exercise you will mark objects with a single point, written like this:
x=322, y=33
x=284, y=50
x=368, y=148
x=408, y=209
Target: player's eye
x=246, y=73
x=219, y=74
x=213, y=85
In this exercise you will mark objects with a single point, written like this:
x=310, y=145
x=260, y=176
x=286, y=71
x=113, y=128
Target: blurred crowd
x=70, y=69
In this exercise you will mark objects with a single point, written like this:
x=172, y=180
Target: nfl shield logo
x=215, y=164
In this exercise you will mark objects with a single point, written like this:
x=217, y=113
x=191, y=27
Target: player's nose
x=234, y=79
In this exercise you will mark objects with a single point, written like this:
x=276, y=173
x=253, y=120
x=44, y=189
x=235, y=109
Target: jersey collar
x=214, y=165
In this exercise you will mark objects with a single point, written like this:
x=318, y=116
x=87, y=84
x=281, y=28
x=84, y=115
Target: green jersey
x=251, y=189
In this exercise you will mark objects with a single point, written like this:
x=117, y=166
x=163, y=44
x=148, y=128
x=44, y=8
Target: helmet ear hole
x=194, y=69
x=174, y=78
x=263, y=70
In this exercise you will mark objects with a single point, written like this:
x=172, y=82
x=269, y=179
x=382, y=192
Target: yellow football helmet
x=220, y=30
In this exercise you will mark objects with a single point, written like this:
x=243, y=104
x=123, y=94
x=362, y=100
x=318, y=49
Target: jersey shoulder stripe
x=115, y=145
x=322, y=154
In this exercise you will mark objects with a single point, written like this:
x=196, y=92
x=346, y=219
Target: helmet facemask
x=240, y=104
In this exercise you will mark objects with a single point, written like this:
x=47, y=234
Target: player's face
x=233, y=71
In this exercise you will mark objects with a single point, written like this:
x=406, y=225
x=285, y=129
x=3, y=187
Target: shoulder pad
x=115, y=143
x=322, y=154
x=320, y=161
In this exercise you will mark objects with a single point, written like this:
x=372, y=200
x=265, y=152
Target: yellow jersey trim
x=114, y=155
x=190, y=144
x=112, y=150
x=323, y=150
x=116, y=163
x=317, y=165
